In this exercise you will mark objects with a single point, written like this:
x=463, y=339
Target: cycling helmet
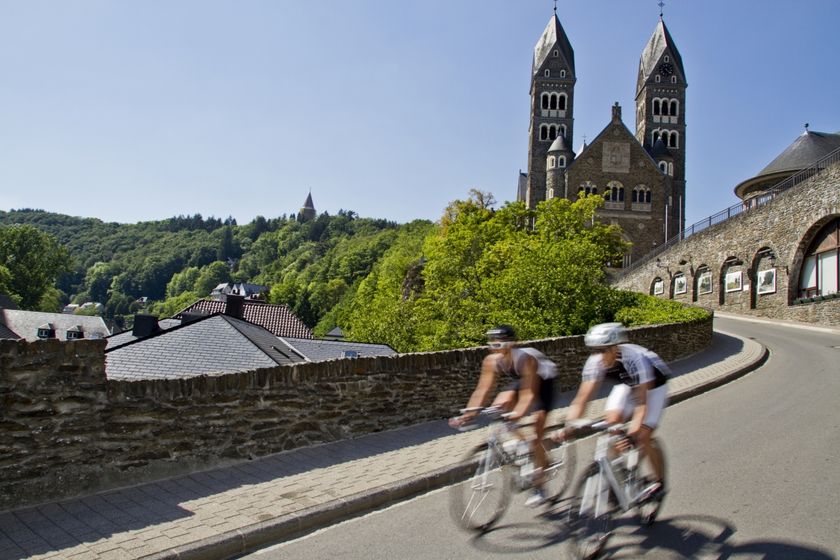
x=605, y=334
x=501, y=333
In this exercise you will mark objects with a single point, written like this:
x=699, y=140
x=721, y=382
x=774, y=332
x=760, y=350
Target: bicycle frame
x=607, y=474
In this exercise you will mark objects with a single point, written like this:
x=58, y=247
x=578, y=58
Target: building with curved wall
x=778, y=259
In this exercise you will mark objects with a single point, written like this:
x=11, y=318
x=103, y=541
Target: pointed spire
x=658, y=45
x=553, y=37
x=307, y=211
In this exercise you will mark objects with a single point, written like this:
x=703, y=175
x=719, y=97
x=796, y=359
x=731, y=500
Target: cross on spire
x=555, y=7
x=661, y=5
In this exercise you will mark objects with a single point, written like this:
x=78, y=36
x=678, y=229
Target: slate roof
x=26, y=323
x=319, y=350
x=278, y=319
x=806, y=150
x=554, y=36
x=128, y=336
x=660, y=42
x=213, y=345
x=6, y=332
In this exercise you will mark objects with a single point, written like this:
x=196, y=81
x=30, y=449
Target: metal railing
x=739, y=208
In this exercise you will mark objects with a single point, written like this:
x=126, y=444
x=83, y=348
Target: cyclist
x=530, y=390
x=639, y=396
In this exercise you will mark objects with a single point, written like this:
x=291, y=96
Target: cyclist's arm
x=486, y=382
x=584, y=394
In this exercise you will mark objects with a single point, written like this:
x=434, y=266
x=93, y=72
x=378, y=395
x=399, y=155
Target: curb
x=228, y=545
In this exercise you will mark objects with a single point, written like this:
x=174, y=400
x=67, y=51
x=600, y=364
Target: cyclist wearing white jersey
x=640, y=394
x=530, y=391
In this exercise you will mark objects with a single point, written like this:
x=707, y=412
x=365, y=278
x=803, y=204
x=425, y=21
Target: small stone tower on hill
x=307, y=211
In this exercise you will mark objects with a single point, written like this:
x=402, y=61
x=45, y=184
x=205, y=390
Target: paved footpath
x=220, y=513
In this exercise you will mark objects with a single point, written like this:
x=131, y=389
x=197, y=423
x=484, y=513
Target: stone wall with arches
x=779, y=260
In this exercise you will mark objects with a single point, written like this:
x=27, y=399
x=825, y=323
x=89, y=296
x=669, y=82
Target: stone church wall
x=66, y=430
x=786, y=225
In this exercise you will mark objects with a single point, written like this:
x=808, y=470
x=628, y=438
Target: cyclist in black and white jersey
x=529, y=390
x=640, y=394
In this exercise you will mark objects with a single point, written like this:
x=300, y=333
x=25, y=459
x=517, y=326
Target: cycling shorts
x=621, y=398
x=545, y=398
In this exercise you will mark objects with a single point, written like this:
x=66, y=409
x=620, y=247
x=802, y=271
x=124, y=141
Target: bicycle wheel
x=649, y=509
x=591, y=514
x=477, y=503
x=561, y=468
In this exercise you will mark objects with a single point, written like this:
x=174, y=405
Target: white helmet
x=605, y=334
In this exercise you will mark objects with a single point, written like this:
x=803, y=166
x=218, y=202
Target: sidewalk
x=220, y=513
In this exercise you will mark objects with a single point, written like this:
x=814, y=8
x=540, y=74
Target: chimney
x=144, y=325
x=234, y=306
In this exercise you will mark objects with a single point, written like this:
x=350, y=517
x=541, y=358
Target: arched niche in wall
x=731, y=277
x=816, y=270
x=702, y=282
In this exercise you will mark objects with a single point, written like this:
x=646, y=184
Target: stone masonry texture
x=786, y=226
x=67, y=430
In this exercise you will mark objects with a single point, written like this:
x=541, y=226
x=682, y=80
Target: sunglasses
x=497, y=344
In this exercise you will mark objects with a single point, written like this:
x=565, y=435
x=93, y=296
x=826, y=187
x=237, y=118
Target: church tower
x=307, y=211
x=552, y=105
x=660, y=117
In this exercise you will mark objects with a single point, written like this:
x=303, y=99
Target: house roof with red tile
x=278, y=319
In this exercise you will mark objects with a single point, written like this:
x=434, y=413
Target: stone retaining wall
x=786, y=226
x=65, y=430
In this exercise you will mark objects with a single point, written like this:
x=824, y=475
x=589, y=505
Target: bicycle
x=607, y=486
x=501, y=463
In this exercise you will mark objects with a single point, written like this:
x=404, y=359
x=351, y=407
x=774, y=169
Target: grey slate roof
x=658, y=43
x=128, y=336
x=805, y=150
x=278, y=319
x=213, y=345
x=554, y=36
x=6, y=332
x=318, y=350
x=559, y=145
x=26, y=323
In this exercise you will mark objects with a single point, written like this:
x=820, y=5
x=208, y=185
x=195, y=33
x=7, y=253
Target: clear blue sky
x=132, y=111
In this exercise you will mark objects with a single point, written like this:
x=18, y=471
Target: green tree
x=34, y=261
x=211, y=276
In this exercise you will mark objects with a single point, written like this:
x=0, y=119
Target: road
x=754, y=472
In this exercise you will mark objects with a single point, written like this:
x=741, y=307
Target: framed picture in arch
x=733, y=281
x=704, y=282
x=767, y=281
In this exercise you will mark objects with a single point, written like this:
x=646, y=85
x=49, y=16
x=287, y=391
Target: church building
x=641, y=174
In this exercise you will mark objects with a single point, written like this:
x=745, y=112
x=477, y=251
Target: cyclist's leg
x=656, y=400
x=506, y=399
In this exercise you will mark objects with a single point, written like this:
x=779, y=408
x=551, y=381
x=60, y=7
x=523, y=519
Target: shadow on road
x=684, y=536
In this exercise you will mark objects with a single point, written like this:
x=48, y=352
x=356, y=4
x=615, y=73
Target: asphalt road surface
x=754, y=472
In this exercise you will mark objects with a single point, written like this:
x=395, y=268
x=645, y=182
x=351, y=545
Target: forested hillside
x=416, y=286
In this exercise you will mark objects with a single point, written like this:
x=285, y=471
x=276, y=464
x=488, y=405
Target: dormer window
x=46, y=331
x=547, y=73
x=75, y=333
x=562, y=73
x=657, y=79
x=667, y=58
x=556, y=53
x=673, y=79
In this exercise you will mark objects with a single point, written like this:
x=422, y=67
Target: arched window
x=675, y=107
x=562, y=73
x=561, y=161
x=657, y=79
x=562, y=102
x=552, y=132
x=663, y=166
x=563, y=130
x=543, y=132
x=547, y=73
x=674, y=139
x=556, y=53
x=550, y=162
x=673, y=79
x=552, y=103
x=544, y=100
x=656, y=107
x=667, y=58
x=614, y=192
x=820, y=275
x=589, y=188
